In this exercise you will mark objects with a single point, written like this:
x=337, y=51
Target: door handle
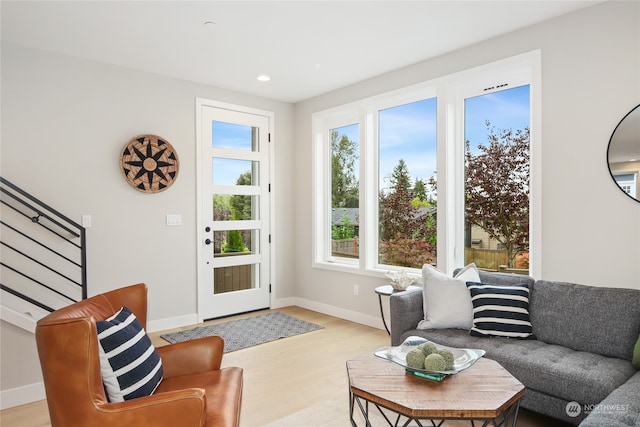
x=208, y=241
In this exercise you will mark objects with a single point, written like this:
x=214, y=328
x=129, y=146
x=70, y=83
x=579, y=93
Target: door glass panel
x=497, y=180
x=230, y=136
x=235, y=278
x=235, y=242
x=407, y=173
x=234, y=172
x=235, y=207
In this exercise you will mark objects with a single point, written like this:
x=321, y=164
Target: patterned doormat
x=243, y=333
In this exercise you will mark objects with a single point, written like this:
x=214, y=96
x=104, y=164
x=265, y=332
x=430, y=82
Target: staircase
x=42, y=258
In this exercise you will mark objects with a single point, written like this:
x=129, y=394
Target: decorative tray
x=463, y=358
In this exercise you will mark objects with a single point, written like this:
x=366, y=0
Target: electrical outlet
x=356, y=290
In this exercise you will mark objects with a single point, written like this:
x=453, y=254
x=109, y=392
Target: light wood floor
x=284, y=376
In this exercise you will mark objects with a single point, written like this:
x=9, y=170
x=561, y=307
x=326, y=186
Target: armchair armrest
x=186, y=408
x=406, y=313
x=192, y=357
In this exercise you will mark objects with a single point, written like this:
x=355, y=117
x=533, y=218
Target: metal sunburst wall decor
x=149, y=163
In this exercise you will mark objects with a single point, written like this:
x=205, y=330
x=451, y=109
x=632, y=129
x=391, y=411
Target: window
x=628, y=182
x=398, y=178
x=496, y=179
x=406, y=165
x=345, y=191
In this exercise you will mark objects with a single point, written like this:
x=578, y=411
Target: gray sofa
x=583, y=351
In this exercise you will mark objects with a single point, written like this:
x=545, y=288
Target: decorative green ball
x=427, y=348
x=448, y=357
x=415, y=359
x=435, y=362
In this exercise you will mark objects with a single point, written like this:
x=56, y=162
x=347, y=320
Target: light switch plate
x=174, y=219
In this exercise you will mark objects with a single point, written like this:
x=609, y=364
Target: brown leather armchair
x=195, y=391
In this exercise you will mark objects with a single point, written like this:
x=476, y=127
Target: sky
x=409, y=131
x=406, y=132
x=234, y=137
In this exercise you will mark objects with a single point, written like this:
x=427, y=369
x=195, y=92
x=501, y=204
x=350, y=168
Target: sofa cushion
x=594, y=319
x=500, y=310
x=552, y=369
x=447, y=303
x=129, y=363
x=636, y=355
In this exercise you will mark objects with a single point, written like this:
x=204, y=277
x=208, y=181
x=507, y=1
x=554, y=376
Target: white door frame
x=202, y=286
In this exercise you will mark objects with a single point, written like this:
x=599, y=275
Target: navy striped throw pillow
x=500, y=311
x=129, y=363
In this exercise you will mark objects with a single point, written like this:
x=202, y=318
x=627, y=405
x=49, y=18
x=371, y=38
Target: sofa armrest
x=619, y=409
x=192, y=357
x=181, y=407
x=406, y=313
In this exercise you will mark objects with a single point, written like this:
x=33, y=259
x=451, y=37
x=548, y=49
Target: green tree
x=344, y=230
x=234, y=243
x=397, y=214
x=404, y=227
x=221, y=212
x=344, y=184
x=241, y=205
x=420, y=190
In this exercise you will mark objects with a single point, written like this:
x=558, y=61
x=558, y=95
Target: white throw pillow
x=447, y=303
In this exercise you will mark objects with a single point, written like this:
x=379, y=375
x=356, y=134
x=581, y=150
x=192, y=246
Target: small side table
x=387, y=290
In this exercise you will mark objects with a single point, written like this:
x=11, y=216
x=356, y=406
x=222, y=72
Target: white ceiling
x=307, y=47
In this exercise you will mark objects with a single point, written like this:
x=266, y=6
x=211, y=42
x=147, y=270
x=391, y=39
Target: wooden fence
x=486, y=259
x=349, y=248
x=234, y=278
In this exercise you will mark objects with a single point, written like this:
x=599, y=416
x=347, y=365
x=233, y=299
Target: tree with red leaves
x=497, y=188
x=403, y=228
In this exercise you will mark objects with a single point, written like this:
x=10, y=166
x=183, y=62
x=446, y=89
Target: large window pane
x=407, y=201
x=497, y=180
x=345, y=198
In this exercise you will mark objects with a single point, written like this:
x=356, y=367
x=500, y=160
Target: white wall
x=590, y=80
x=65, y=120
x=64, y=123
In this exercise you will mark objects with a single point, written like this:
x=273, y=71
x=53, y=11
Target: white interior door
x=234, y=209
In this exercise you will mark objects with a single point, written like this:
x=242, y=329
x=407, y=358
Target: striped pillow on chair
x=500, y=311
x=129, y=363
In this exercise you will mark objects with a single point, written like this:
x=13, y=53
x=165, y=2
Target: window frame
x=450, y=92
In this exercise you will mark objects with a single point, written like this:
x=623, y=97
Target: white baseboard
x=22, y=395
x=172, y=322
x=283, y=302
x=353, y=316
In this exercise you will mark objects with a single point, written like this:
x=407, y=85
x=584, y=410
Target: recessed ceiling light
x=264, y=78
x=209, y=24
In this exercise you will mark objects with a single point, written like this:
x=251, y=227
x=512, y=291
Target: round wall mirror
x=623, y=154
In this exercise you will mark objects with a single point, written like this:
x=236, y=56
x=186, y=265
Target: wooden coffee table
x=485, y=392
